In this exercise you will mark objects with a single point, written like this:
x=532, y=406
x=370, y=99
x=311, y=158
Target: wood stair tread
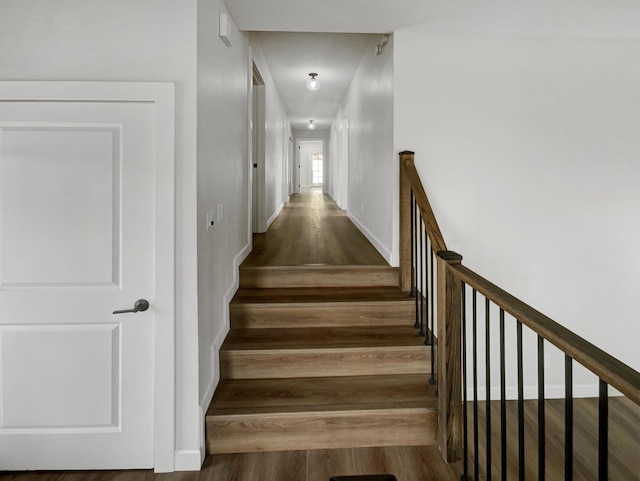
x=345, y=337
x=318, y=276
x=324, y=295
x=297, y=395
x=318, y=268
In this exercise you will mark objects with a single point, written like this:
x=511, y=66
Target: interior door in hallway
x=78, y=224
x=306, y=149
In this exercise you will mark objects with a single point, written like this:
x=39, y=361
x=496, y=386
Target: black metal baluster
x=414, y=230
x=432, y=380
x=421, y=333
x=503, y=400
x=541, y=413
x=521, y=460
x=465, y=420
x=487, y=340
x=427, y=338
x=603, y=432
x=413, y=284
x=568, y=418
x=474, y=341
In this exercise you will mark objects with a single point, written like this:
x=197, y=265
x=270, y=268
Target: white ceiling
x=610, y=18
x=352, y=16
x=291, y=56
x=329, y=37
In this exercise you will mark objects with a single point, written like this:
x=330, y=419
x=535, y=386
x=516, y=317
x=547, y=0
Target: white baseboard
x=275, y=214
x=550, y=392
x=207, y=395
x=384, y=252
x=188, y=459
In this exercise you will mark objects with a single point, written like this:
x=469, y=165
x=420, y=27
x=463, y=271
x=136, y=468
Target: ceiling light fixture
x=313, y=83
x=311, y=125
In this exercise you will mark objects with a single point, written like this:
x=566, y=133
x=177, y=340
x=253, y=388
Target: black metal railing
x=478, y=464
x=422, y=281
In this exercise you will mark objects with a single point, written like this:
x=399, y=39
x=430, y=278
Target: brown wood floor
x=311, y=229
x=624, y=439
x=406, y=463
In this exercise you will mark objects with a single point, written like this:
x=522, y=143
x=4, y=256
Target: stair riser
x=315, y=315
x=324, y=362
x=301, y=431
x=311, y=277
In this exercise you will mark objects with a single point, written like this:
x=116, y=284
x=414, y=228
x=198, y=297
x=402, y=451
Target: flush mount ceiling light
x=313, y=83
x=311, y=125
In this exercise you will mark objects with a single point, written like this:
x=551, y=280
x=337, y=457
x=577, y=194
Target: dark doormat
x=365, y=477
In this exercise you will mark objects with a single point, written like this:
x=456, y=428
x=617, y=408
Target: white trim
x=556, y=391
x=384, y=252
x=162, y=95
x=188, y=460
x=250, y=148
x=207, y=396
x=298, y=166
x=273, y=217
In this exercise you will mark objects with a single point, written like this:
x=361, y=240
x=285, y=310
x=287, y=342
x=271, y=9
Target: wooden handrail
x=609, y=369
x=410, y=182
x=450, y=274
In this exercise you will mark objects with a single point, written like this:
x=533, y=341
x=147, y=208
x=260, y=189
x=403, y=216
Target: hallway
x=312, y=230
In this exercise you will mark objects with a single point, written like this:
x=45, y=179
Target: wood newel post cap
x=407, y=152
x=449, y=256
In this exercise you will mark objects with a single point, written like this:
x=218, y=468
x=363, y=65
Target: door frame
x=257, y=134
x=161, y=95
x=298, y=159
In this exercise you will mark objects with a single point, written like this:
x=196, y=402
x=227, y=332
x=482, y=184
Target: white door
x=77, y=242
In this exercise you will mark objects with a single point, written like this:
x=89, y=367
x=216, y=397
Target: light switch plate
x=211, y=219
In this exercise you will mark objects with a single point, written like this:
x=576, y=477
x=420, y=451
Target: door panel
x=77, y=242
x=58, y=192
x=79, y=368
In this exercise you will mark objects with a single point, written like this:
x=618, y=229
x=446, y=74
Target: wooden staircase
x=321, y=357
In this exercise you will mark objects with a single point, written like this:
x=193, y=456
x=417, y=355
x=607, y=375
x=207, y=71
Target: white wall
x=119, y=40
x=528, y=148
x=277, y=133
x=339, y=160
x=373, y=167
x=223, y=179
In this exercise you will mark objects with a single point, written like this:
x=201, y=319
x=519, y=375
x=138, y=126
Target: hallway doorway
x=310, y=171
x=258, y=152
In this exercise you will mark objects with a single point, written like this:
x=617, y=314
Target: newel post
x=405, y=223
x=449, y=360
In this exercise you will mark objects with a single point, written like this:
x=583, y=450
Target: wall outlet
x=219, y=213
x=211, y=219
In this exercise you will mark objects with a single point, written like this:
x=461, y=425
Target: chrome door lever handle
x=140, y=305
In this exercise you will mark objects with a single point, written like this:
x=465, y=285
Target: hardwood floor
x=624, y=439
x=312, y=230
x=411, y=463
x=320, y=232
x=320, y=356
